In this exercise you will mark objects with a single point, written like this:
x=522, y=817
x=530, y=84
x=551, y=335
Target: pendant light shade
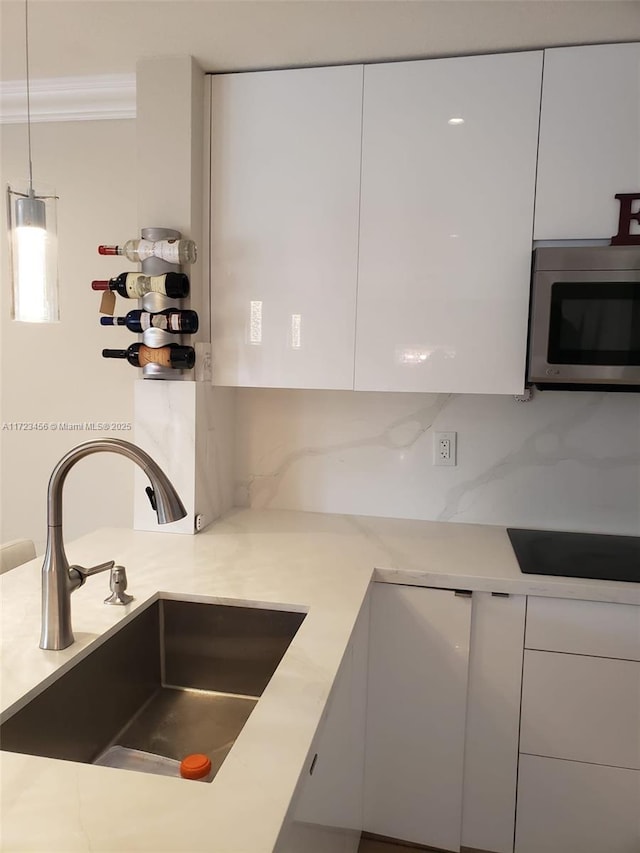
x=34, y=274
x=32, y=232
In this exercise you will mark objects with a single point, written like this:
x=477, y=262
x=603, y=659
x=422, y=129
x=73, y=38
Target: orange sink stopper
x=195, y=766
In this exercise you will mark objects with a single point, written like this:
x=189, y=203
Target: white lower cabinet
x=493, y=718
x=578, y=781
x=419, y=661
x=592, y=628
x=326, y=812
x=442, y=717
x=581, y=708
x=462, y=708
x=573, y=807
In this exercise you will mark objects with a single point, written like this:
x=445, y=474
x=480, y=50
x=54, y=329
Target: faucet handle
x=81, y=574
x=152, y=498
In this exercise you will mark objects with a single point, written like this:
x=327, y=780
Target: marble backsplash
x=563, y=460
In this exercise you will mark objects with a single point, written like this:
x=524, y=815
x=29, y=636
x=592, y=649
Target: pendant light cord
x=26, y=52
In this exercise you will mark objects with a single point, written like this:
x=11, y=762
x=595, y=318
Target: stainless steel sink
x=182, y=677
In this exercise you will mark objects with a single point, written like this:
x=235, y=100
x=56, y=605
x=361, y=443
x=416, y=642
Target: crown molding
x=102, y=97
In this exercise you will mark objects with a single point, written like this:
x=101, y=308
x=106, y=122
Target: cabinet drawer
x=568, y=807
x=583, y=627
x=581, y=708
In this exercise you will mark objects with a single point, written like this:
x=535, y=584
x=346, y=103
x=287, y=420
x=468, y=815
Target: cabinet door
x=589, y=139
x=570, y=807
x=448, y=175
x=493, y=722
x=418, y=663
x=326, y=814
x=285, y=182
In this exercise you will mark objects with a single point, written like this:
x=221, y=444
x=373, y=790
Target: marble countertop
x=319, y=563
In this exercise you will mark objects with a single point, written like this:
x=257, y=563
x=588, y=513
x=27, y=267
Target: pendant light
x=32, y=228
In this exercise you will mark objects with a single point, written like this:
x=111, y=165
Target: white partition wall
x=188, y=429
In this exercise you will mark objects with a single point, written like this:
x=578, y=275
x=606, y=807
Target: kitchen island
x=319, y=564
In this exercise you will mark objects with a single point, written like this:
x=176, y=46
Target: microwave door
x=585, y=330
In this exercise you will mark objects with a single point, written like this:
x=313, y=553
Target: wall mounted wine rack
x=154, y=302
x=161, y=313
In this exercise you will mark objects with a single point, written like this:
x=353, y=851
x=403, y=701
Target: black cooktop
x=577, y=555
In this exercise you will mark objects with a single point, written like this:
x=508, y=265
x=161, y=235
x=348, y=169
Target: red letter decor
x=624, y=236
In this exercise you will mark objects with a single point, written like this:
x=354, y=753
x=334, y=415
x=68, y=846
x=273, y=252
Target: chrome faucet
x=59, y=579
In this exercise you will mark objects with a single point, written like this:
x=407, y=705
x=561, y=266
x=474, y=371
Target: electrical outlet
x=200, y=522
x=444, y=448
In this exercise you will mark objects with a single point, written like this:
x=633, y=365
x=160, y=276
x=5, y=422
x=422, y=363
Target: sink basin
x=181, y=677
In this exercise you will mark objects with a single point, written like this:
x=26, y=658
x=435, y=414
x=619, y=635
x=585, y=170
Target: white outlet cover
x=445, y=448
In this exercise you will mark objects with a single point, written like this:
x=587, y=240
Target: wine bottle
x=134, y=285
x=170, y=355
x=170, y=320
x=172, y=251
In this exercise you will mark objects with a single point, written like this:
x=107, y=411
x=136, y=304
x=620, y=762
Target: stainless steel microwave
x=584, y=322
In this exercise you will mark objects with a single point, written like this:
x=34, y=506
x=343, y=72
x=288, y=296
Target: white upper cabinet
x=589, y=140
x=448, y=178
x=285, y=183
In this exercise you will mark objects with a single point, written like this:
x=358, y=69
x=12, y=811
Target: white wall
x=564, y=460
x=106, y=36
x=55, y=373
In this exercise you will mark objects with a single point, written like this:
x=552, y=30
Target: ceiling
x=90, y=37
